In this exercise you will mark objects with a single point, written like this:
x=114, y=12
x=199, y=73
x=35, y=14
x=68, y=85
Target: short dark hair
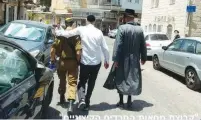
x=91, y=18
x=176, y=31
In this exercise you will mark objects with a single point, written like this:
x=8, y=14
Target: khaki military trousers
x=68, y=73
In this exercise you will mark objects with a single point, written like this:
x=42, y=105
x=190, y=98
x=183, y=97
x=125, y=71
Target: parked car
x=182, y=57
x=112, y=33
x=26, y=85
x=155, y=41
x=35, y=37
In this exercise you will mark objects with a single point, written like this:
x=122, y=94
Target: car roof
x=192, y=38
x=34, y=23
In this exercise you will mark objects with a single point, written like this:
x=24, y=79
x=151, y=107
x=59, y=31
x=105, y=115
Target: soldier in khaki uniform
x=69, y=52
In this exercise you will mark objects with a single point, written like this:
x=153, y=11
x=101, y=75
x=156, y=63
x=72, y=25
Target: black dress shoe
x=70, y=107
x=120, y=104
x=129, y=105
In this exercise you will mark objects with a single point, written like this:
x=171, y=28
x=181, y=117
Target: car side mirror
x=164, y=47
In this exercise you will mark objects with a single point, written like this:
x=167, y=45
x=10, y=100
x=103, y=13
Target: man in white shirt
x=93, y=43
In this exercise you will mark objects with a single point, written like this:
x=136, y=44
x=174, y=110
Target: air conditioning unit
x=5, y=1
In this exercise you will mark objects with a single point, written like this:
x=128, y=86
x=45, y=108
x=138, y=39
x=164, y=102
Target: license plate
x=39, y=92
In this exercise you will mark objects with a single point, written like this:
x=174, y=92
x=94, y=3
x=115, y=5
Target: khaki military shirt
x=66, y=48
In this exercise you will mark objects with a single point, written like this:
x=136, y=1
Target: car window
x=158, y=37
x=188, y=46
x=22, y=31
x=198, y=48
x=175, y=45
x=14, y=67
x=147, y=37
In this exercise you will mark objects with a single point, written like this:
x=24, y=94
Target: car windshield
x=23, y=32
x=158, y=37
x=13, y=68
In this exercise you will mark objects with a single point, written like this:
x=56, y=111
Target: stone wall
x=166, y=17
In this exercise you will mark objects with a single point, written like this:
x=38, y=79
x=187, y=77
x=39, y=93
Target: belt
x=68, y=58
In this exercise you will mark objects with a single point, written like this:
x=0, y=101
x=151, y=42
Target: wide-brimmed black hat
x=130, y=12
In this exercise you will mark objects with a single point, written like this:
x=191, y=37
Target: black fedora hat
x=130, y=12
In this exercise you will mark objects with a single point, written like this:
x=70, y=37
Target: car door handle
x=188, y=57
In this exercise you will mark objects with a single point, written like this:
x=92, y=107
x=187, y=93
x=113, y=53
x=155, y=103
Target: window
x=154, y=28
x=145, y=29
x=150, y=28
x=198, y=48
x=172, y=2
x=152, y=3
x=160, y=27
x=175, y=45
x=156, y=3
x=14, y=67
x=147, y=37
x=188, y=46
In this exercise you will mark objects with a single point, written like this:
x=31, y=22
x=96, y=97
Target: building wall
x=133, y=4
x=165, y=18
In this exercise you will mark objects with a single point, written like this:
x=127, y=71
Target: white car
x=155, y=41
x=183, y=57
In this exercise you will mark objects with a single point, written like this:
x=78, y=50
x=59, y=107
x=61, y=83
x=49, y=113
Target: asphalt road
x=163, y=94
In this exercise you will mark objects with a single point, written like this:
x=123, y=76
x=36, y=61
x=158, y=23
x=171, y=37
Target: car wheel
x=192, y=79
x=156, y=64
x=45, y=105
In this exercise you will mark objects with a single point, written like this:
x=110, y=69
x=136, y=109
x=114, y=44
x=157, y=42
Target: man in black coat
x=129, y=50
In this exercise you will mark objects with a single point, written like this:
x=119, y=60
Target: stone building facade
x=168, y=15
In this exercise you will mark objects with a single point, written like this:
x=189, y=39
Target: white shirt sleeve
x=71, y=33
x=105, y=48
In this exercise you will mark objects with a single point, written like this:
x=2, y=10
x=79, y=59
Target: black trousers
x=88, y=73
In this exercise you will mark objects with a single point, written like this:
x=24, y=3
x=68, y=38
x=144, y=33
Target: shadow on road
x=102, y=107
x=173, y=75
x=53, y=114
x=149, y=58
x=138, y=105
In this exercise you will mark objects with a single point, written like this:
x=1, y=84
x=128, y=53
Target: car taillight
x=147, y=44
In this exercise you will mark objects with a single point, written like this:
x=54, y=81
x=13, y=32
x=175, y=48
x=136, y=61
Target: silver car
x=155, y=41
x=183, y=57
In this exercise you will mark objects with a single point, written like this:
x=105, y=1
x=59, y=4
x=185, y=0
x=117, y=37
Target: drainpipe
x=190, y=20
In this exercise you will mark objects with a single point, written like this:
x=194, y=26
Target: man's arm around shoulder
x=69, y=33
